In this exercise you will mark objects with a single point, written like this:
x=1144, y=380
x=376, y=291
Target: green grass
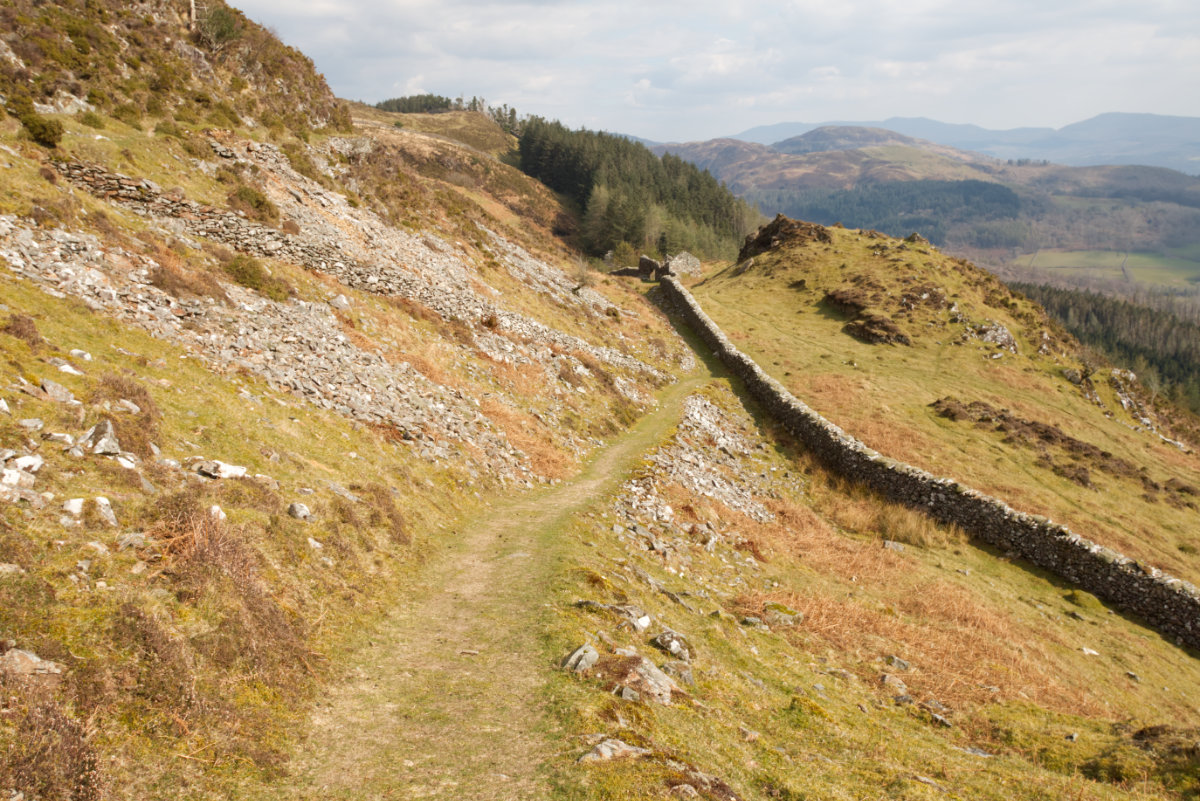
x=771, y=715
x=1179, y=269
x=881, y=393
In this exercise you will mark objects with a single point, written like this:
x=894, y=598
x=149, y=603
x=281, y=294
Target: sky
x=708, y=68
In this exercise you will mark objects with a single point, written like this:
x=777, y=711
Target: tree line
x=1161, y=348
x=503, y=115
x=629, y=198
x=898, y=208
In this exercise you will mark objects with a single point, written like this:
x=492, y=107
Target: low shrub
x=250, y=273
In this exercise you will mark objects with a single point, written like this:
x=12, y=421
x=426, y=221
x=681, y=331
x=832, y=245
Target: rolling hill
x=1115, y=138
x=1000, y=213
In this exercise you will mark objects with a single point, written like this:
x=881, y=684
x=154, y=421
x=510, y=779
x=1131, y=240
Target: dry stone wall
x=1168, y=604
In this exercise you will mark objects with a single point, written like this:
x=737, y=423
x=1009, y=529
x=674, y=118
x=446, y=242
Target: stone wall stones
x=1168, y=604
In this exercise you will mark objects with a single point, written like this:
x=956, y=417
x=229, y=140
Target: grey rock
x=18, y=479
x=30, y=667
x=30, y=464
x=892, y=545
x=213, y=468
x=651, y=682
x=899, y=664
x=777, y=614
x=627, y=693
x=299, y=511
x=101, y=439
x=31, y=423
x=57, y=392
x=581, y=659
x=339, y=302
x=132, y=539
x=674, y=644
x=105, y=510
x=893, y=684
x=979, y=752
x=681, y=671
x=7, y=570
x=614, y=749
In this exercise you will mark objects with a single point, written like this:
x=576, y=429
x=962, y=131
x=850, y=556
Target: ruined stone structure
x=1168, y=604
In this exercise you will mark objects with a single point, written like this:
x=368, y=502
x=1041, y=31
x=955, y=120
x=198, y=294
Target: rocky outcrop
x=1168, y=604
x=781, y=231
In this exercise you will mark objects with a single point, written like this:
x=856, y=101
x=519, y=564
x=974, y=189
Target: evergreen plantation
x=630, y=199
x=1161, y=348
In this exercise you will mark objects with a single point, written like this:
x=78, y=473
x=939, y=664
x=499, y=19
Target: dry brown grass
x=426, y=362
x=180, y=282
x=529, y=436
x=45, y=752
x=958, y=644
x=25, y=329
x=135, y=432
x=350, y=330
x=958, y=647
x=524, y=380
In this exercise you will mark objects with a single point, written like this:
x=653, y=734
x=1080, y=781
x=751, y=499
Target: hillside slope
x=931, y=360
x=320, y=452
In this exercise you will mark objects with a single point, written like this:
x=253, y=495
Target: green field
x=1179, y=268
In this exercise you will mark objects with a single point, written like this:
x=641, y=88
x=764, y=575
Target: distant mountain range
x=1148, y=139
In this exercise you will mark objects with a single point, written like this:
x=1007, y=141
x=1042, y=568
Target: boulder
x=581, y=659
x=683, y=263
x=299, y=511
x=101, y=439
x=57, y=392
x=28, y=666
x=674, y=644
x=614, y=749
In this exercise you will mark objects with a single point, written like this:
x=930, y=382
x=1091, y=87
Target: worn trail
x=446, y=700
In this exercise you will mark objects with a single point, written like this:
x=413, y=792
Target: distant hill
x=1116, y=138
x=997, y=212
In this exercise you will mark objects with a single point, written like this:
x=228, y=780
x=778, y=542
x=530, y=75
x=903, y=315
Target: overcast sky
x=705, y=68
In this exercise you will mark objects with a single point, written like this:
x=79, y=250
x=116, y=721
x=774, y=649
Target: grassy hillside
x=452, y=352
x=821, y=664
x=931, y=360
x=320, y=450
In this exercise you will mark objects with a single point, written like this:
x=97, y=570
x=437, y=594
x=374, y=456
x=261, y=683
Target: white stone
x=104, y=508
x=81, y=354
x=316, y=546
x=229, y=470
x=217, y=512
x=69, y=369
x=30, y=464
x=17, y=478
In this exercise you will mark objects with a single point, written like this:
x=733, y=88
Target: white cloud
x=709, y=68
